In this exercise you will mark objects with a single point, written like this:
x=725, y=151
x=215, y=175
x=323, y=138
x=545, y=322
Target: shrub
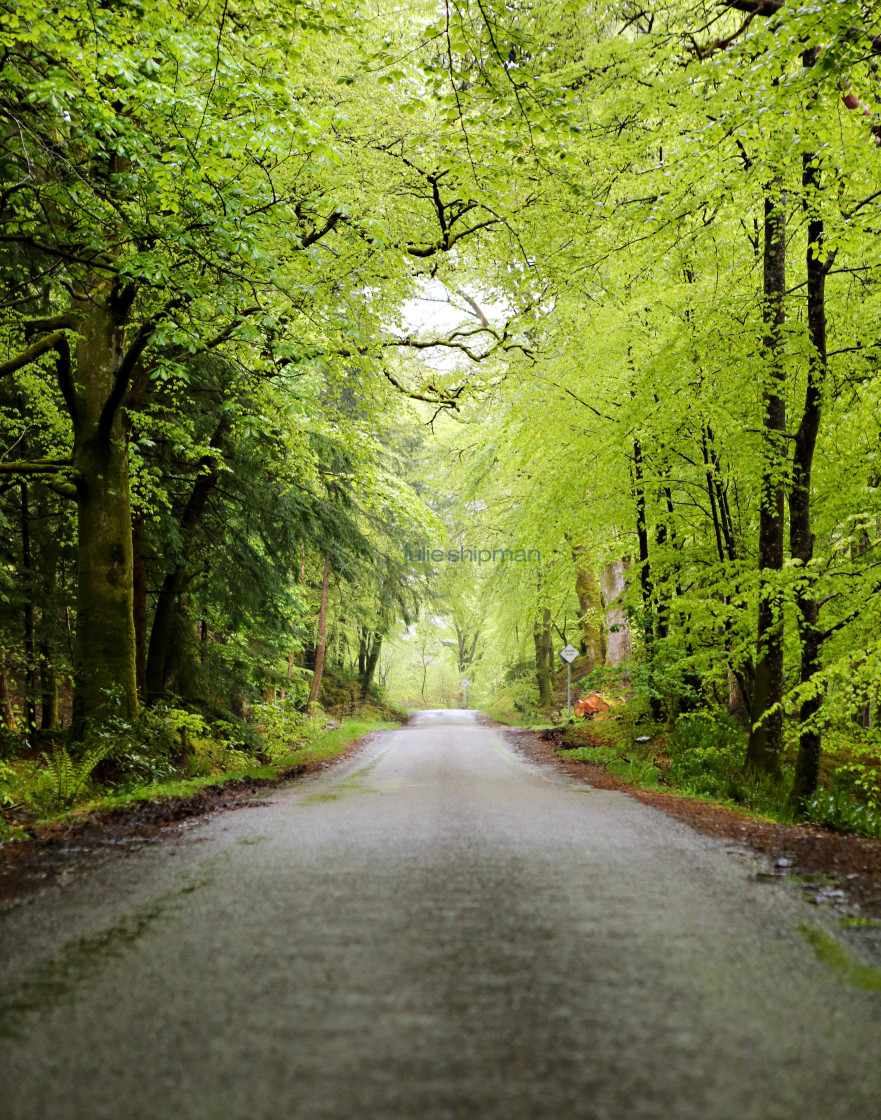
x=284, y=728
x=839, y=812
x=6, y=776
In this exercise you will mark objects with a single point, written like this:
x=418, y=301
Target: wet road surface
x=436, y=929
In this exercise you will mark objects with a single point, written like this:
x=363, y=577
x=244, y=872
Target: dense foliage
x=225, y=412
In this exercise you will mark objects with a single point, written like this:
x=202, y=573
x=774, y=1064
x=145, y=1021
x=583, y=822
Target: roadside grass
x=24, y=782
x=701, y=755
x=531, y=724
x=696, y=758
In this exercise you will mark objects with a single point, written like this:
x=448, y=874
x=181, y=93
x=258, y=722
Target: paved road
x=435, y=930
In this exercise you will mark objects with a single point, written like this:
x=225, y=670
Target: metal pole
x=568, y=691
x=465, y=690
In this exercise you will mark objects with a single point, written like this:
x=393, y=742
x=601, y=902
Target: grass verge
x=327, y=744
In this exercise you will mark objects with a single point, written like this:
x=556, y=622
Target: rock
x=643, y=739
x=331, y=724
x=783, y=863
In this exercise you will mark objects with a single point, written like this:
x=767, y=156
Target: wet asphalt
x=434, y=929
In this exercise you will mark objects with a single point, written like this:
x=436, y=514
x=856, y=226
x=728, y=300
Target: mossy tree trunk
x=372, y=650
x=593, y=645
x=541, y=635
x=48, y=566
x=157, y=668
x=322, y=640
x=7, y=712
x=139, y=590
x=104, y=654
x=27, y=568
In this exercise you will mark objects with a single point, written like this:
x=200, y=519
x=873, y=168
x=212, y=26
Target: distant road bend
x=435, y=929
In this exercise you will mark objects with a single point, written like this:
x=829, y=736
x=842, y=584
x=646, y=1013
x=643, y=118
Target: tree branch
x=448, y=401
x=45, y=344
x=755, y=7
x=36, y=466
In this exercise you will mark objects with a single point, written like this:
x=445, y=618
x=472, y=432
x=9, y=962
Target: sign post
x=464, y=683
x=568, y=654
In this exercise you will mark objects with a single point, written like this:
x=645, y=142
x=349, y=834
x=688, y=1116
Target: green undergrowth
x=189, y=755
x=702, y=756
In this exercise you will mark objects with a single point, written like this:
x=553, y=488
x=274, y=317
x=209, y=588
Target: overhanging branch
x=27, y=357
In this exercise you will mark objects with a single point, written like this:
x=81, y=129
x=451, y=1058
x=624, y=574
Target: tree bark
x=593, y=645
x=541, y=639
x=7, y=712
x=766, y=732
x=801, y=538
x=618, y=645
x=550, y=654
x=156, y=673
x=645, y=575
x=104, y=654
x=27, y=566
x=322, y=637
x=370, y=662
x=139, y=600
x=47, y=566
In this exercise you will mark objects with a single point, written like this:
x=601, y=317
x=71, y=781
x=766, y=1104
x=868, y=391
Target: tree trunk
x=27, y=566
x=208, y=468
x=104, y=655
x=645, y=575
x=322, y=637
x=766, y=733
x=48, y=569
x=593, y=646
x=548, y=635
x=645, y=572
x=139, y=593
x=7, y=712
x=618, y=648
x=801, y=538
x=48, y=689
x=370, y=663
x=539, y=630
x=363, y=641
x=104, y=666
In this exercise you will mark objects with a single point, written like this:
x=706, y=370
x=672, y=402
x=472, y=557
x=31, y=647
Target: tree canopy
x=226, y=412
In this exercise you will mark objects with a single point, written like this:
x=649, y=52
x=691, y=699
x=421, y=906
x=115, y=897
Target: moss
x=832, y=953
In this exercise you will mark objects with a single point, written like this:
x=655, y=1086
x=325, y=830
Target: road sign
x=465, y=683
x=465, y=690
x=568, y=654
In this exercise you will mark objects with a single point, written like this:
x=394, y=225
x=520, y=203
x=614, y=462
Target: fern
x=64, y=778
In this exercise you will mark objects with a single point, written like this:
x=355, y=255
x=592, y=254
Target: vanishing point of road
x=434, y=929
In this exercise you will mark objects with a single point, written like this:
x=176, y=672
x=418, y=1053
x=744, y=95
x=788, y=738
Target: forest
x=299, y=297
